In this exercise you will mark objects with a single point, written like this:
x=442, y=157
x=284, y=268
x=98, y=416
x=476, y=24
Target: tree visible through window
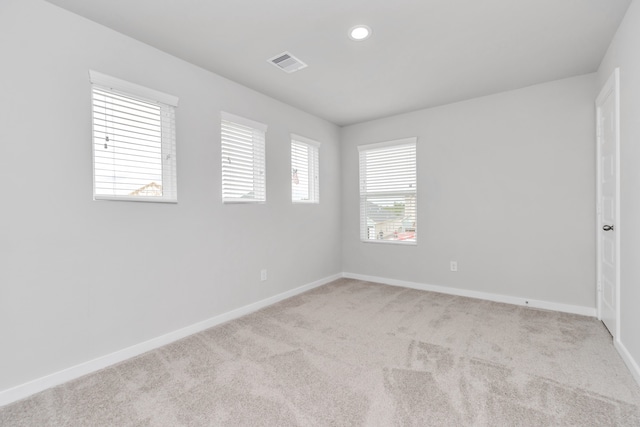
x=388, y=196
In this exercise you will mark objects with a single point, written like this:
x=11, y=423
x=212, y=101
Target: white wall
x=623, y=53
x=80, y=279
x=505, y=188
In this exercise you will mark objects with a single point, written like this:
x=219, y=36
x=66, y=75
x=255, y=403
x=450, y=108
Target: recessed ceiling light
x=359, y=32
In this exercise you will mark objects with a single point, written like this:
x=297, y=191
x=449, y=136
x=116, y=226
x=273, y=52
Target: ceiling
x=422, y=53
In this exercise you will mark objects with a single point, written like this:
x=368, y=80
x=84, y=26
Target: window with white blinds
x=388, y=208
x=243, y=160
x=134, y=142
x=305, y=170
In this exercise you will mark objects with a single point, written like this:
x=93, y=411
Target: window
x=134, y=141
x=388, y=205
x=305, y=171
x=243, y=163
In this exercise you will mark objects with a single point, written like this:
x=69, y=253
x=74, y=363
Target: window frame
x=259, y=154
x=313, y=168
x=167, y=104
x=364, y=196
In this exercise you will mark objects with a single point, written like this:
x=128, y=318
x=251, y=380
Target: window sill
x=244, y=202
x=391, y=242
x=135, y=199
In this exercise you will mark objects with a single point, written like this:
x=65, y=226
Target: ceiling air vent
x=287, y=62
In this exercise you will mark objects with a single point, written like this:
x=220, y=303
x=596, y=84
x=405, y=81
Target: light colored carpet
x=356, y=353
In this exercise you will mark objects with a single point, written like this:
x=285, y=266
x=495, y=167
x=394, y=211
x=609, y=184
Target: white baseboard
x=628, y=360
x=27, y=389
x=24, y=390
x=566, y=308
x=574, y=309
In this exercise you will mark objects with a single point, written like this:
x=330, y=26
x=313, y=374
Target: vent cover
x=287, y=62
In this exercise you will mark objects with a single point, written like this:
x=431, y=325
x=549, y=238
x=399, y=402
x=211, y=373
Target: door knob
x=607, y=227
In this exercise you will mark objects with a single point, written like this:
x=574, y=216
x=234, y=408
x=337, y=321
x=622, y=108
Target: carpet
x=354, y=353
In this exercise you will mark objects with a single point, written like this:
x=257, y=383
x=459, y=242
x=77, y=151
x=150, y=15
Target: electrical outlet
x=263, y=275
x=454, y=265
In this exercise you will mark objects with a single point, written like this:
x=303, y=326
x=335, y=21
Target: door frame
x=611, y=87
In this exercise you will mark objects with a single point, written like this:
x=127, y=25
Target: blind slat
x=388, y=194
x=134, y=147
x=243, y=162
x=305, y=185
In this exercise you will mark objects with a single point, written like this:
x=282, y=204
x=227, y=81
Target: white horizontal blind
x=243, y=161
x=305, y=171
x=134, y=147
x=388, y=205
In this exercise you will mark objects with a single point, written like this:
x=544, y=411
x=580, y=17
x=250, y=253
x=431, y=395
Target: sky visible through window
x=388, y=193
x=299, y=172
x=127, y=145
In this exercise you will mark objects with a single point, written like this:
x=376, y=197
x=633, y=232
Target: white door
x=608, y=232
